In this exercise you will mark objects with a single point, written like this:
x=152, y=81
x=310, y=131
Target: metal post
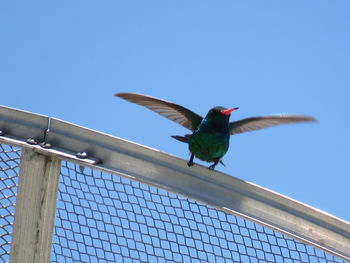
x=35, y=209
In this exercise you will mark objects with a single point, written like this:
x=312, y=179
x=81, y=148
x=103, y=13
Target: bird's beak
x=228, y=112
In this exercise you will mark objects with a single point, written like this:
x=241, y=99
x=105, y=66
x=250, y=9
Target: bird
x=210, y=137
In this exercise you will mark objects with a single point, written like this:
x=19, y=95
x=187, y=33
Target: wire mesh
x=9, y=167
x=106, y=218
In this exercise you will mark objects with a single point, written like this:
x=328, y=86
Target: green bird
x=210, y=136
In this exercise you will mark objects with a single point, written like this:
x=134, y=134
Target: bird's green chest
x=209, y=146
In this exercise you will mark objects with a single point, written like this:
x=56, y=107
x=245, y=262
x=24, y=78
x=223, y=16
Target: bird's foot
x=212, y=167
x=190, y=162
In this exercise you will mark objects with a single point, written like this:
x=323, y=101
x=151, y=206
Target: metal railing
x=84, y=196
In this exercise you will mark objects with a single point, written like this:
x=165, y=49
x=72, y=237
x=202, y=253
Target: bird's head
x=219, y=113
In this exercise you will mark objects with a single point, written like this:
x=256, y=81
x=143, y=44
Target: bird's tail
x=184, y=138
x=222, y=163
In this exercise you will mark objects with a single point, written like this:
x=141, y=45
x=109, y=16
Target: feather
x=172, y=111
x=185, y=138
x=256, y=123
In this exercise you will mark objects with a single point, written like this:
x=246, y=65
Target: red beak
x=228, y=112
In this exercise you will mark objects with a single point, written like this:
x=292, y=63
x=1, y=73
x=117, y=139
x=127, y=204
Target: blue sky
x=66, y=59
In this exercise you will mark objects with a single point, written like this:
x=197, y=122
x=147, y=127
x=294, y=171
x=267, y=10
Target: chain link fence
x=9, y=168
x=101, y=217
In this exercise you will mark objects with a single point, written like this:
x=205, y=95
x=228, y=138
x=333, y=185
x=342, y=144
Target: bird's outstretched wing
x=256, y=123
x=172, y=111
